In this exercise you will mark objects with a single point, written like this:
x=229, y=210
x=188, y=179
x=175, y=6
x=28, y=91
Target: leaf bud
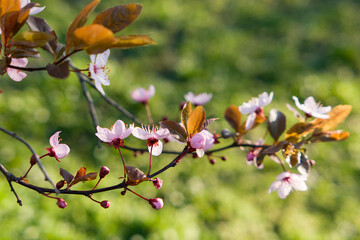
x=104, y=171
x=61, y=203
x=156, y=203
x=60, y=184
x=105, y=204
x=33, y=159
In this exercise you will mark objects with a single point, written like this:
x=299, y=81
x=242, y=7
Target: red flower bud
x=61, y=203
x=157, y=183
x=105, y=204
x=156, y=203
x=212, y=161
x=33, y=160
x=104, y=171
x=223, y=158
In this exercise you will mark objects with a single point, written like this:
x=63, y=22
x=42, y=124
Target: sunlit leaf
x=79, y=21
x=86, y=177
x=176, y=130
x=299, y=130
x=9, y=6
x=60, y=71
x=337, y=115
x=81, y=172
x=195, y=121
x=94, y=38
x=276, y=123
x=135, y=176
x=132, y=41
x=330, y=136
x=185, y=113
x=39, y=24
x=233, y=117
x=31, y=39
x=119, y=17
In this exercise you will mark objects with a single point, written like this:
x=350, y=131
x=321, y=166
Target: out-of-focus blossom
x=34, y=10
x=210, y=140
x=97, y=69
x=156, y=203
x=312, y=109
x=16, y=74
x=255, y=107
x=199, y=99
x=143, y=95
x=58, y=150
x=254, y=153
x=115, y=135
x=286, y=182
x=157, y=183
x=152, y=135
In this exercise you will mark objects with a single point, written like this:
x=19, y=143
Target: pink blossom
x=97, y=69
x=210, y=140
x=156, y=203
x=286, y=182
x=152, y=135
x=34, y=10
x=253, y=154
x=255, y=107
x=16, y=74
x=58, y=150
x=199, y=99
x=116, y=134
x=157, y=183
x=198, y=142
x=142, y=95
x=312, y=109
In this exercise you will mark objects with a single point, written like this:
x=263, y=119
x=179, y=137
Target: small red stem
x=137, y=194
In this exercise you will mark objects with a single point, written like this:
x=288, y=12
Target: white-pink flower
x=202, y=142
x=286, y=182
x=313, y=109
x=142, y=95
x=153, y=136
x=58, y=150
x=116, y=134
x=16, y=74
x=199, y=99
x=255, y=107
x=97, y=69
x=156, y=203
x=34, y=10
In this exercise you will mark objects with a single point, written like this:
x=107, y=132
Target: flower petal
x=141, y=133
x=284, y=190
x=54, y=139
x=250, y=120
x=104, y=134
x=118, y=128
x=157, y=149
x=61, y=150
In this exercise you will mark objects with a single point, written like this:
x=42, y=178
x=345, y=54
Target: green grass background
x=233, y=49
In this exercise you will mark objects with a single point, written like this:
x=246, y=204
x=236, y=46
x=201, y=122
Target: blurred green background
x=233, y=49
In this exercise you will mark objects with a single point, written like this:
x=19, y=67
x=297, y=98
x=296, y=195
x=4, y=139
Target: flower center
x=152, y=142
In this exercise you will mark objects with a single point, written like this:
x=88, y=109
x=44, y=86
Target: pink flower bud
x=250, y=156
x=104, y=171
x=105, y=204
x=61, y=203
x=156, y=203
x=157, y=183
x=198, y=141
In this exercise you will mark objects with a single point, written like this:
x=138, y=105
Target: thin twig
x=9, y=177
x=47, y=178
x=90, y=102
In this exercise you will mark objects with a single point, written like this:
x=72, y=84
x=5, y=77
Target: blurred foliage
x=233, y=49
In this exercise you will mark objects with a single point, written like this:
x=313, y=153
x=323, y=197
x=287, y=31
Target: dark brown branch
x=27, y=69
x=10, y=177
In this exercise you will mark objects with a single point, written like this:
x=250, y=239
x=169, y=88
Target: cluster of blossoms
x=286, y=181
